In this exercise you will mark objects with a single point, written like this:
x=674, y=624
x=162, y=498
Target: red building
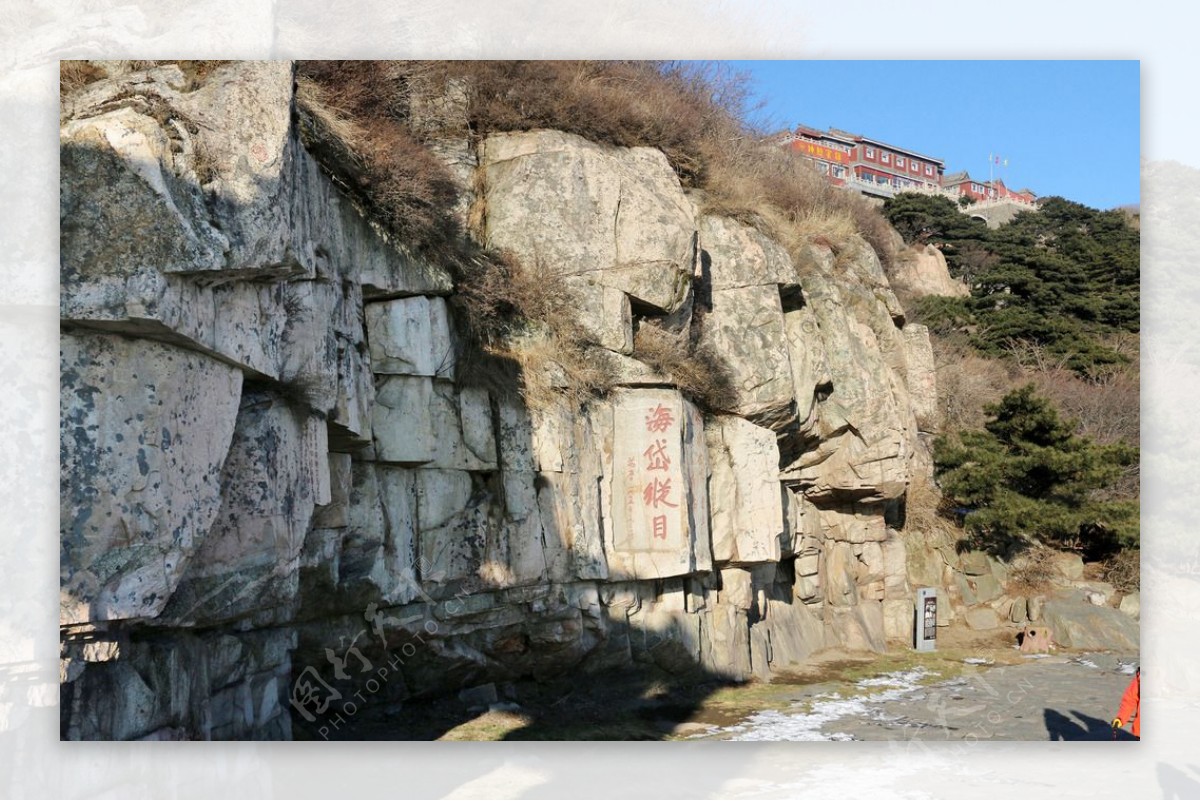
x=961, y=183
x=832, y=154
x=872, y=166
x=882, y=170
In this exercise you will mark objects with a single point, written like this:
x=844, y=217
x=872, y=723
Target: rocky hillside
x=289, y=493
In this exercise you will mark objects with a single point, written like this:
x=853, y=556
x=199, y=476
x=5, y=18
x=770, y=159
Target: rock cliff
x=284, y=500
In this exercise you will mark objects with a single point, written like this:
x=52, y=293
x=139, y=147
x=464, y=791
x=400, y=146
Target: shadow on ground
x=1082, y=727
x=642, y=702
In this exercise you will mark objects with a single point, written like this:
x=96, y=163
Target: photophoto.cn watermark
x=329, y=708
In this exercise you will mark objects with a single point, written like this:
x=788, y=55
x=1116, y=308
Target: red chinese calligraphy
x=660, y=527
x=656, y=456
x=656, y=493
x=659, y=419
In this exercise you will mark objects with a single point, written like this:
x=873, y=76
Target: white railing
x=889, y=190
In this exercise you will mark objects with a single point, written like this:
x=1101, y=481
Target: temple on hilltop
x=881, y=170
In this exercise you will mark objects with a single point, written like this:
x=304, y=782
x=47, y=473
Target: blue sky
x=1067, y=128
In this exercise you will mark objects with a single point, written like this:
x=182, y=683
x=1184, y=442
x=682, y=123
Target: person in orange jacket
x=1131, y=707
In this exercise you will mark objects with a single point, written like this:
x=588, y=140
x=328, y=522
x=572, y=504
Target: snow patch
x=774, y=725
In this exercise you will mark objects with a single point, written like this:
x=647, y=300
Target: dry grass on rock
x=372, y=124
x=695, y=369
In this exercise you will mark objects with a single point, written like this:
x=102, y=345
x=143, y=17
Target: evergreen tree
x=1026, y=478
x=1062, y=277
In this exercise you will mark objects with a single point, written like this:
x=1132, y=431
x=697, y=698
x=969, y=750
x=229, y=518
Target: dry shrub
x=1032, y=571
x=784, y=195
x=354, y=122
x=512, y=315
x=671, y=107
x=693, y=114
x=966, y=382
x=927, y=513
x=370, y=123
x=694, y=368
x=76, y=74
x=1106, y=407
x=73, y=75
x=1124, y=570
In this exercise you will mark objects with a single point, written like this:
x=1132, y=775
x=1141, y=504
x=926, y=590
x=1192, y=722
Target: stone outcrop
x=281, y=489
x=921, y=272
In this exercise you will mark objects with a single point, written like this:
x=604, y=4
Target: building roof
x=846, y=135
x=914, y=154
x=951, y=178
x=832, y=133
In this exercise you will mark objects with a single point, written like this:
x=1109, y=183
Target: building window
x=885, y=157
x=900, y=162
x=915, y=167
x=929, y=169
x=870, y=153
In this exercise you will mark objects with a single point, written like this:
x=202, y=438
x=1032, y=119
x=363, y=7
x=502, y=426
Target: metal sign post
x=925, y=631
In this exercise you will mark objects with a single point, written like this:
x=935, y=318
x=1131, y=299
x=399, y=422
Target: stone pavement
x=1059, y=697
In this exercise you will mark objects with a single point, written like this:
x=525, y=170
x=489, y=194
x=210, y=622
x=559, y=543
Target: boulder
x=1067, y=565
x=856, y=628
x=920, y=377
x=456, y=535
x=974, y=563
x=402, y=420
x=1034, y=607
x=922, y=272
x=982, y=618
x=727, y=631
x=746, y=327
x=410, y=336
x=978, y=589
x=839, y=573
x=571, y=207
x=747, y=517
x=1078, y=624
x=806, y=354
x=795, y=633
x=898, y=619
x=462, y=433
x=735, y=255
x=274, y=476
x=1019, y=612
x=1131, y=605
x=145, y=430
x=862, y=418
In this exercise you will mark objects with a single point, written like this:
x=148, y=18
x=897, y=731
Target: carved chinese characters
x=655, y=481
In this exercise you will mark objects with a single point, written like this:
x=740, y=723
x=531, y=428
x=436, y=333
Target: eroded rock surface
x=278, y=486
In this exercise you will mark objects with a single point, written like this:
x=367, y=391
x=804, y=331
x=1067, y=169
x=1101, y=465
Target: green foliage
x=1027, y=478
x=921, y=218
x=1063, y=277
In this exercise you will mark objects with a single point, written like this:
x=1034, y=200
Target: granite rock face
x=281, y=488
x=923, y=272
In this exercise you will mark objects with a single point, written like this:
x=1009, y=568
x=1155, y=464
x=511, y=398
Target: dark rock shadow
x=647, y=700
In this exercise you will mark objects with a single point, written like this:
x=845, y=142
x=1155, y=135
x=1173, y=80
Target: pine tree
x=1027, y=478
